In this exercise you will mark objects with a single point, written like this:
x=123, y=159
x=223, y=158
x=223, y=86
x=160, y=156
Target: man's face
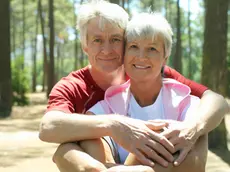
x=105, y=46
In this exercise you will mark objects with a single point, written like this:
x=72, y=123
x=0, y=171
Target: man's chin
x=111, y=70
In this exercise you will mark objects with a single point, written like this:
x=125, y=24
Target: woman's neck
x=146, y=92
x=105, y=80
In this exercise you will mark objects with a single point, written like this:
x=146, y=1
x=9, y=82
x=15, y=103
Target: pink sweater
x=176, y=99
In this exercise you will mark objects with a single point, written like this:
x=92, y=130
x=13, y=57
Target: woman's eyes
x=152, y=48
x=133, y=46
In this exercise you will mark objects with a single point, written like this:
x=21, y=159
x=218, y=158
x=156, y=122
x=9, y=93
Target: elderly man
x=102, y=26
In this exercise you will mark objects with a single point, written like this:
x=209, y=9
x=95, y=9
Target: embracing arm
x=212, y=106
x=210, y=112
x=59, y=127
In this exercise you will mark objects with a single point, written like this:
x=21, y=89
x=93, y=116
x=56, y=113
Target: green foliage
x=20, y=82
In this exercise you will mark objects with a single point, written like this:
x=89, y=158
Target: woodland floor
x=22, y=151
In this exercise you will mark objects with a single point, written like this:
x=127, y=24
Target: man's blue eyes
x=97, y=40
x=113, y=40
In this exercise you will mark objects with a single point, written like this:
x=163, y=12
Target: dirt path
x=22, y=151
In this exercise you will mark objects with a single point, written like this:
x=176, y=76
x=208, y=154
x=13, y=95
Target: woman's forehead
x=151, y=40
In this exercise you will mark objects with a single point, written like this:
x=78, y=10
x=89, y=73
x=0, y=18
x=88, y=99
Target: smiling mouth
x=141, y=67
x=107, y=59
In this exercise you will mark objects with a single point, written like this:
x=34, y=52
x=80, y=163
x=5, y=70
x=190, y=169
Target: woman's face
x=144, y=59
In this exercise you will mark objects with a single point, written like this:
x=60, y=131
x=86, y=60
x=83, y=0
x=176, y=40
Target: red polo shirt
x=78, y=92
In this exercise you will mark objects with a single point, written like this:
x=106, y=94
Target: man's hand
x=138, y=137
x=183, y=135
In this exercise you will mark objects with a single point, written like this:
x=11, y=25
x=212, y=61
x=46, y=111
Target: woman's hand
x=138, y=137
x=183, y=135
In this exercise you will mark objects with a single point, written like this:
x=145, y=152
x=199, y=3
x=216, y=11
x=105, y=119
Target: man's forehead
x=96, y=27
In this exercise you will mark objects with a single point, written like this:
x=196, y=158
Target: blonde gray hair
x=150, y=25
x=108, y=12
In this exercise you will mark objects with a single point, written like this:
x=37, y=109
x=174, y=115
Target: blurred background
x=39, y=44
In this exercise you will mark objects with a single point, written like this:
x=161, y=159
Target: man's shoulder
x=77, y=78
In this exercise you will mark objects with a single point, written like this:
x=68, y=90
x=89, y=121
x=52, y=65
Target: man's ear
x=85, y=49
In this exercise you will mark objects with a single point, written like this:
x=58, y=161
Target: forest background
x=39, y=44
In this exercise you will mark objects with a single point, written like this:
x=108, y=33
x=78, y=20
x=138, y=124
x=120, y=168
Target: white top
x=137, y=112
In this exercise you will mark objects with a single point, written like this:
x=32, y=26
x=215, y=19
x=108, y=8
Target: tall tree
x=214, y=66
x=34, y=76
x=189, y=43
x=44, y=45
x=177, y=64
x=23, y=31
x=51, y=75
x=123, y=3
x=5, y=72
x=75, y=41
x=115, y=1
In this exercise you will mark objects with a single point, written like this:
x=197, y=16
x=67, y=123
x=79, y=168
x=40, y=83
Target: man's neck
x=105, y=80
x=147, y=92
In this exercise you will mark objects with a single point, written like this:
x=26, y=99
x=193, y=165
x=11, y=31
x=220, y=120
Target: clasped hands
x=156, y=141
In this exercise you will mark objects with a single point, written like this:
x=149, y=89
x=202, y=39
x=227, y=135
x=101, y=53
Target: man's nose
x=107, y=48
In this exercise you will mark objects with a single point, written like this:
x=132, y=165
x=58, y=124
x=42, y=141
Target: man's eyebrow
x=117, y=35
x=96, y=35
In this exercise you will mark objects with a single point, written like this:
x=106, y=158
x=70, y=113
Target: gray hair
x=108, y=12
x=150, y=25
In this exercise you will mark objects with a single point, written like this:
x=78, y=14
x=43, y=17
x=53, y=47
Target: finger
x=181, y=157
x=160, y=150
x=162, y=140
x=174, y=140
x=178, y=147
x=140, y=156
x=155, y=126
x=170, y=133
x=154, y=156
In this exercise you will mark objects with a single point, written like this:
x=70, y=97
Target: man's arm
x=213, y=107
x=59, y=127
x=207, y=116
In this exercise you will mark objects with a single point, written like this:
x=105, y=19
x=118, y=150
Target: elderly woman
x=147, y=95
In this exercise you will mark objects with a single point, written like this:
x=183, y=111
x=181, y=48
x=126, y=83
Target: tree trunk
x=51, y=75
x=75, y=41
x=34, y=76
x=13, y=34
x=44, y=46
x=5, y=72
x=115, y=1
x=153, y=5
x=23, y=32
x=166, y=9
x=128, y=6
x=214, y=66
x=123, y=4
x=177, y=57
x=58, y=69
x=189, y=44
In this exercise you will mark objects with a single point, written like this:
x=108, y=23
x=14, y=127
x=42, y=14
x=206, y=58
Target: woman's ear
x=165, y=61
